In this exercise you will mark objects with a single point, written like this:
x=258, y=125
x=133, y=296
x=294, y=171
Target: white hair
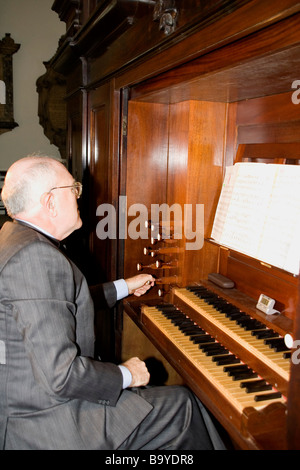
x=20, y=193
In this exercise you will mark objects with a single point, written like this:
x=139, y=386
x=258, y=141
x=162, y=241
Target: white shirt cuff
x=127, y=377
x=122, y=289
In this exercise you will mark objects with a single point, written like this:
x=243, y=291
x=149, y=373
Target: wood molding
x=8, y=47
x=52, y=111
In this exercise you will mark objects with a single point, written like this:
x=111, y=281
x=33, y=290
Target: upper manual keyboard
x=239, y=331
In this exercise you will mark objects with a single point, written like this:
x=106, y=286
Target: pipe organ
x=160, y=102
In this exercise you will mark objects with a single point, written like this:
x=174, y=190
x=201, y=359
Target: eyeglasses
x=76, y=188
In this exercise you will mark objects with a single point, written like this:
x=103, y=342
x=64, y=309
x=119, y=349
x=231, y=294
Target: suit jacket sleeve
x=104, y=295
x=53, y=311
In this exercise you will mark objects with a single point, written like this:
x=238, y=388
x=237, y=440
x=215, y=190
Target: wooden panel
x=262, y=64
x=253, y=279
x=147, y=160
x=269, y=153
x=102, y=179
x=294, y=403
x=99, y=176
x=269, y=133
x=146, y=184
x=195, y=174
x=251, y=17
x=78, y=242
x=179, y=163
x=268, y=109
x=273, y=120
x=77, y=135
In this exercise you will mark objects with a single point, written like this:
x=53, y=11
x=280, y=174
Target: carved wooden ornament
x=7, y=48
x=165, y=12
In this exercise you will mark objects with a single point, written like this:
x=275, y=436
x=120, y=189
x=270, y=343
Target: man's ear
x=48, y=202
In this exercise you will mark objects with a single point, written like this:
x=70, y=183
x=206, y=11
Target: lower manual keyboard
x=227, y=374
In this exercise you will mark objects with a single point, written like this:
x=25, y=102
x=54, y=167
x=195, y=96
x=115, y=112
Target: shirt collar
x=39, y=229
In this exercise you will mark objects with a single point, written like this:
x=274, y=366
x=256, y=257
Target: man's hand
x=138, y=285
x=138, y=370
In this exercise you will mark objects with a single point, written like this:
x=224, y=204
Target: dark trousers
x=178, y=421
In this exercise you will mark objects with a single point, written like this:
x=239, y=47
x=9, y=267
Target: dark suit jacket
x=53, y=394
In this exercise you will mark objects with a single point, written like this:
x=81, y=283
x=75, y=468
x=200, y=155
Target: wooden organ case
x=158, y=106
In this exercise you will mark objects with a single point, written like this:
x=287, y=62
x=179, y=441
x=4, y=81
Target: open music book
x=258, y=213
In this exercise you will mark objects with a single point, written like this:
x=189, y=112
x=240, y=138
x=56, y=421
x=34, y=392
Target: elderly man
x=53, y=393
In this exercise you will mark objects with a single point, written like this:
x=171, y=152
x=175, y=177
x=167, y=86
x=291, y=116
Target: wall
x=37, y=28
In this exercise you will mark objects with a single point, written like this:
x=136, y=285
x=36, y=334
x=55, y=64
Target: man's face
x=68, y=217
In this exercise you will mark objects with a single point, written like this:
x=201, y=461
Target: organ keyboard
x=241, y=331
x=232, y=362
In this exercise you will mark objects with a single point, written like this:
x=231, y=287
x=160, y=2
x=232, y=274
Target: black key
x=235, y=316
x=250, y=324
x=174, y=315
x=188, y=322
x=208, y=297
x=188, y=325
x=256, y=386
x=280, y=348
x=202, y=339
x=226, y=359
x=180, y=322
x=214, y=352
x=219, y=348
x=210, y=346
x=243, y=317
x=276, y=343
x=197, y=288
x=192, y=331
x=231, y=310
x=265, y=334
x=212, y=349
x=240, y=372
x=241, y=367
x=249, y=374
x=167, y=307
x=267, y=396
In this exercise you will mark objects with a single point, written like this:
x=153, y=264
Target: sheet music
x=258, y=213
